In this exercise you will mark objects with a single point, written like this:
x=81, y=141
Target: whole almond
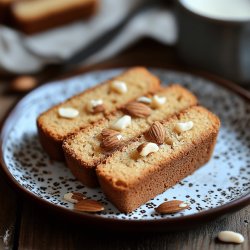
x=109, y=132
x=78, y=196
x=23, y=84
x=88, y=206
x=156, y=133
x=74, y=197
x=137, y=109
x=111, y=139
x=170, y=207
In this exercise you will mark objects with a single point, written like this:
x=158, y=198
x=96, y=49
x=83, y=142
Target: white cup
x=215, y=35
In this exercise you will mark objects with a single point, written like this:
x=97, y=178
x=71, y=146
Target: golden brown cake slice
x=91, y=106
x=87, y=148
x=143, y=169
x=35, y=16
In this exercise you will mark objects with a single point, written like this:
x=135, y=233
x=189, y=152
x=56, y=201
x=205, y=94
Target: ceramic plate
x=221, y=183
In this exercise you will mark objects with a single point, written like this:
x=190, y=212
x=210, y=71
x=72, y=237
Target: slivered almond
x=156, y=133
x=137, y=109
x=90, y=206
x=111, y=139
x=170, y=207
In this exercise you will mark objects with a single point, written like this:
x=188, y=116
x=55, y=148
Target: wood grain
x=8, y=212
x=8, y=199
x=40, y=230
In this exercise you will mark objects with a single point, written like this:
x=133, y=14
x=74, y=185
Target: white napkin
x=29, y=54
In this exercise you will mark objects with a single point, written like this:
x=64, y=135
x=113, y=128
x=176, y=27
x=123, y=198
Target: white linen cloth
x=29, y=54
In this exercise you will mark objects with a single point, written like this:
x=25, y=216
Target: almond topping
x=74, y=197
x=137, y=109
x=147, y=148
x=122, y=123
x=156, y=133
x=158, y=101
x=119, y=87
x=89, y=206
x=144, y=99
x=170, y=207
x=68, y=113
x=23, y=84
x=183, y=126
x=229, y=236
x=95, y=106
x=111, y=139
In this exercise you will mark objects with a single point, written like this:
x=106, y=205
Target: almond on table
x=230, y=237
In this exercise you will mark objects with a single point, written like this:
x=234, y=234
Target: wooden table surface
x=25, y=225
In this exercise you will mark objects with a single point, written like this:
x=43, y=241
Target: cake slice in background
x=32, y=16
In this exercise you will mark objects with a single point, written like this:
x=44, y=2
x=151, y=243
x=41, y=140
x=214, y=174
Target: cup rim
x=211, y=19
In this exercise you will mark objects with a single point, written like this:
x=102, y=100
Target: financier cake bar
x=168, y=152
x=89, y=147
x=32, y=16
x=91, y=106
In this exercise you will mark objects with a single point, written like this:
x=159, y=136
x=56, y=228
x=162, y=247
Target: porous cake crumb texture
x=129, y=180
x=83, y=150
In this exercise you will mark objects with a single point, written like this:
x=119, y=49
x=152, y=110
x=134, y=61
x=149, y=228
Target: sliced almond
x=183, y=126
x=156, y=133
x=144, y=99
x=147, y=148
x=111, y=139
x=90, y=206
x=95, y=106
x=170, y=207
x=73, y=197
x=122, y=123
x=119, y=87
x=137, y=109
x=158, y=101
x=68, y=112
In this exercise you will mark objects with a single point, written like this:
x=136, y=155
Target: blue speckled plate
x=223, y=181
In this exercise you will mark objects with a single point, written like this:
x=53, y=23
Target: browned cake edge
x=168, y=174
x=52, y=144
x=83, y=172
x=55, y=19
